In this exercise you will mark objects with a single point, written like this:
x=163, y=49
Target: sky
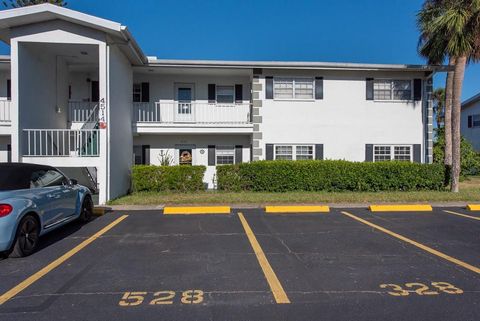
x=365, y=31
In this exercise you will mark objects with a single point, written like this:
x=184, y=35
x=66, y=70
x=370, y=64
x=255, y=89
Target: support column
x=103, y=171
x=257, y=102
x=428, y=103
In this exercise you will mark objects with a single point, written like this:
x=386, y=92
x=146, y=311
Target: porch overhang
x=17, y=17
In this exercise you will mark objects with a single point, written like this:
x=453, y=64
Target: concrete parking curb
x=473, y=207
x=171, y=210
x=297, y=209
x=401, y=208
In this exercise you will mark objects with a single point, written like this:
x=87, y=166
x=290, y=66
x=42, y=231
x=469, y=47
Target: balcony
x=190, y=117
x=5, y=112
x=82, y=111
x=61, y=143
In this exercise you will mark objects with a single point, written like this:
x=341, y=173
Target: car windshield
x=14, y=178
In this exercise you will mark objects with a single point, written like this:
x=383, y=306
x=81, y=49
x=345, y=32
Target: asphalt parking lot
x=349, y=264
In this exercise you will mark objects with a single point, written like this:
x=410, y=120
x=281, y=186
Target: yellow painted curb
x=473, y=207
x=401, y=208
x=196, y=210
x=297, y=209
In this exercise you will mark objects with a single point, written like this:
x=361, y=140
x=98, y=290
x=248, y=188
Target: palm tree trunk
x=460, y=65
x=448, y=116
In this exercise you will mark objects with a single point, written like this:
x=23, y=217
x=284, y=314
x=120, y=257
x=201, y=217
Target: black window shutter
x=145, y=92
x=146, y=154
x=369, y=152
x=417, y=89
x=95, y=91
x=9, y=89
x=269, y=151
x=211, y=155
x=268, y=87
x=211, y=94
x=319, y=151
x=238, y=154
x=318, y=87
x=9, y=153
x=238, y=94
x=417, y=153
x=369, y=82
x=470, y=121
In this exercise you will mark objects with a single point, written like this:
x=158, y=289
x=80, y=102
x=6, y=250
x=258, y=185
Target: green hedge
x=329, y=175
x=167, y=178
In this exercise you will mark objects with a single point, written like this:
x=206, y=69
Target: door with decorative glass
x=184, y=103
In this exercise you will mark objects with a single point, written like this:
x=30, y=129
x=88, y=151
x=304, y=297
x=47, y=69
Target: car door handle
x=53, y=196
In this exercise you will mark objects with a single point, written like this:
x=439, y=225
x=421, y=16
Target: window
x=284, y=152
x=293, y=88
x=137, y=93
x=387, y=153
x=304, y=152
x=225, y=155
x=46, y=178
x=476, y=120
x=402, y=153
x=382, y=153
x=225, y=95
x=384, y=89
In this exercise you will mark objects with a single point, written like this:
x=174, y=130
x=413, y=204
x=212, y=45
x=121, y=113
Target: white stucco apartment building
x=470, y=121
x=78, y=93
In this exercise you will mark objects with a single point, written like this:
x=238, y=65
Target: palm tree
x=439, y=106
x=24, y=3
x=451, y=28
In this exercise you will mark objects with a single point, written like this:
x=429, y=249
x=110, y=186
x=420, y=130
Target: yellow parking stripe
x=170, y=210
x=297, y=209
x=419, y=245
x=401, y=208
x=38, y=275
x=473, y=207
x=463, y=215
x=275, y=286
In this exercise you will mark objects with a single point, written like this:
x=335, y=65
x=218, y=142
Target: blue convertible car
x=34, y=200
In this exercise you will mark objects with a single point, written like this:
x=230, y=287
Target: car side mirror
x=73, y=181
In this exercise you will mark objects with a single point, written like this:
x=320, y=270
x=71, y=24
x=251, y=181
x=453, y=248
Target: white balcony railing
x=191, y=112
x=5, y=111
x=61, y=142
x=82, y=111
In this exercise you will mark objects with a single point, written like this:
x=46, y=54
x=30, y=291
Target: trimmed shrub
x=330, y=175
x=167, y=178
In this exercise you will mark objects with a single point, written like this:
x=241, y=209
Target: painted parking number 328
x=161, y=297
x=421, y=289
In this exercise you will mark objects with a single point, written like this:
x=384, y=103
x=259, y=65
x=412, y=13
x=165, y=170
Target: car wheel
x=27, y=237
x=87, y=210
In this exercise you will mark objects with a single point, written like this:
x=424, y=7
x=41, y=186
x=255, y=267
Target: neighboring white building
x=470, y=121
x=79, y=93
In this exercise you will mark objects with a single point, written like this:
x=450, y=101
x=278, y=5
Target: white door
x=184, y=103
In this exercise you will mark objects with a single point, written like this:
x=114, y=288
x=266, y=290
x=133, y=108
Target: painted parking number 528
x=421, y=289
x=130, y=299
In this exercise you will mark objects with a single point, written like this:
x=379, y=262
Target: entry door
x=95, y=91
x=184, y=103
x=185, y=154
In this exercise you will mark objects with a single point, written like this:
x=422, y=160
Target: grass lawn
x=469, y=191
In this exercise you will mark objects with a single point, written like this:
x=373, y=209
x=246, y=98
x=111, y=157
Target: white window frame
x=391, y=80
x=139, y=92
x=230, y=149
x=294, y=150
x=392, y=152
x=233, y=95
x=275, y=79
x=473, y=120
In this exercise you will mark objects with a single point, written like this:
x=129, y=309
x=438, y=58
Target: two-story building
x=470, y=121
x=78, y=93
